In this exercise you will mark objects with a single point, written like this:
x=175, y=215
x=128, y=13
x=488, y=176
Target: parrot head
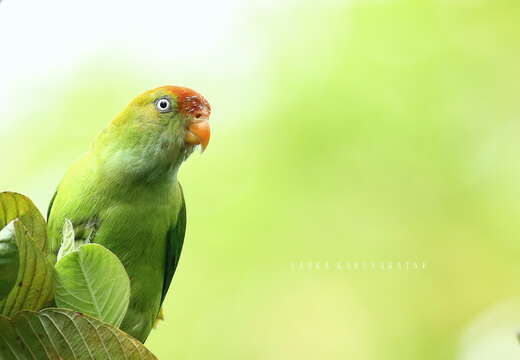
x=179, y=109
x=159, y=128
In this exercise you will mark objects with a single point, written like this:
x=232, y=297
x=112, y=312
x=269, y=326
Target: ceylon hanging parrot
x=124, y=194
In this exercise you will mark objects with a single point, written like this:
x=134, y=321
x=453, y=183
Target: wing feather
x=50, y=205
x=174, y=242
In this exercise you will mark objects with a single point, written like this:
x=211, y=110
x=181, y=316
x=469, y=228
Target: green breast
x=131, y=220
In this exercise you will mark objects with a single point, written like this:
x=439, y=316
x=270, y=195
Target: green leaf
x=9, y=260
x=17, y=206
x=65, y=334
x=35, y=277
x=67, y=244
x=93, y=280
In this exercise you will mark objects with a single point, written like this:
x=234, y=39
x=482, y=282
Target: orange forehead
x=188, y=100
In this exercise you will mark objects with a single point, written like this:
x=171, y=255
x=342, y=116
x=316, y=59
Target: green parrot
x=124, y=194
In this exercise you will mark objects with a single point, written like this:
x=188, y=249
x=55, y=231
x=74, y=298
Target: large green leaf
x=93, y=280
x=17, y=206
x=9, y=260
x=65, y=334
x=35, y=277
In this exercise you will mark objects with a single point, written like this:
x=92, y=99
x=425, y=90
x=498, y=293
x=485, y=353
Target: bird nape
x=124, y=193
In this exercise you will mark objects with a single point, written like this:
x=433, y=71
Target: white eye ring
x=163, y=105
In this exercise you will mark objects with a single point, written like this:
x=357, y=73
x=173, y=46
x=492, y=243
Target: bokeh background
x=360, y=198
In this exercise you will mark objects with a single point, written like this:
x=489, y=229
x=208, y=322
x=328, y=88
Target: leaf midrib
x=89, y=287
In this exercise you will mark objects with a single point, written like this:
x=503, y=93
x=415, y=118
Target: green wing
x=50, y=205
x=175, y=240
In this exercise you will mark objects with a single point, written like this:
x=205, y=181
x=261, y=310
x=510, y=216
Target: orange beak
x=198, y=133
x=197, y=111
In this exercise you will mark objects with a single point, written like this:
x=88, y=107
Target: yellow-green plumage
x=124, y=195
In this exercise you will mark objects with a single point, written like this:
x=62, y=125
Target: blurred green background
x=343, y=131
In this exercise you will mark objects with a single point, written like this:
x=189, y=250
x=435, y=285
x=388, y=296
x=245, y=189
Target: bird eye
x=163, y=105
